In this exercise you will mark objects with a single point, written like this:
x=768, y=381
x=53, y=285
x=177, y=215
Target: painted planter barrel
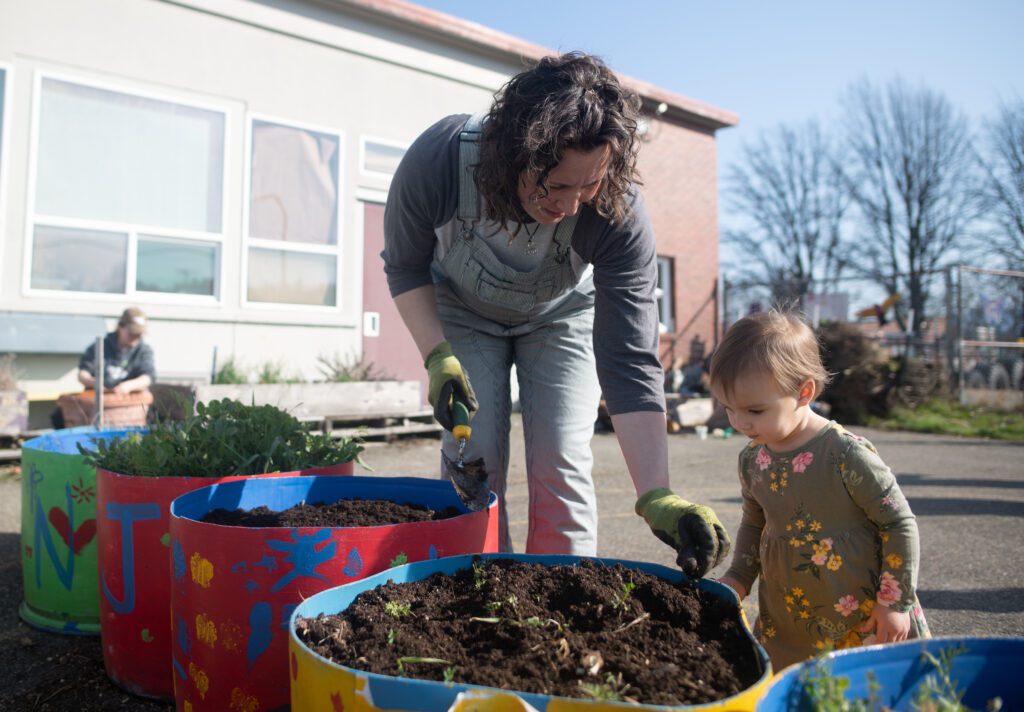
x=58, y=531
x=319, y=684
x=234, y=588
x=988, y=667
x=133, y=522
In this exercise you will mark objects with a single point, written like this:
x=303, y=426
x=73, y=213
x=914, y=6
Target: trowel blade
x=469, y=480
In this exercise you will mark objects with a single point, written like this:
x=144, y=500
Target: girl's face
x=575, y=180
x=759, y=409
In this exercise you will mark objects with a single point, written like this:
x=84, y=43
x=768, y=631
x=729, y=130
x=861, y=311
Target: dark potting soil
x=588, y=631
x=343, y=513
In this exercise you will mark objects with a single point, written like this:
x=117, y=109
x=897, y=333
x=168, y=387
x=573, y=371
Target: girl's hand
x=888, y=625
x=734, y=585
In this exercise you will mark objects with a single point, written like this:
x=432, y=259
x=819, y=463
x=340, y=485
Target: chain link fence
x=969, y=343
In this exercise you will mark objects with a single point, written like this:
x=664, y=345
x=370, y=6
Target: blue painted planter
x=320, y=684
x=988, y=667
x=58, y=531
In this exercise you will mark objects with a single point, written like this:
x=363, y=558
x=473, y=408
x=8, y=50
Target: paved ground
x=968, y=495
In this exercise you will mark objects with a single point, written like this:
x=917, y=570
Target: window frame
x=667, y=297
x=5, y=149
x=364, y=172
x=132, y=230
x=248, y=242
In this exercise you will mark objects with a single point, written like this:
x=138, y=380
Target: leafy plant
x=392, y=636
x=223, y=437
x=272, y=372
x=449, y=673
x=346, y=369
x=230, y=373
x=396, y=609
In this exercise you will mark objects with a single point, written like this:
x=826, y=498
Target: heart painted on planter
x=83, y=535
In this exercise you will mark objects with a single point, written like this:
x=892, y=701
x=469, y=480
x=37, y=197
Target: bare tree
x=1004, y=185
x=909, y=170
x=789, y=193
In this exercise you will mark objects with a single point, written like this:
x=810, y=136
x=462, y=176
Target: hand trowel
x=468, y=478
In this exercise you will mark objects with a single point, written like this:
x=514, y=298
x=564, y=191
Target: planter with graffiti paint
x=234, y=587
x=58, y=531
x=138, y=478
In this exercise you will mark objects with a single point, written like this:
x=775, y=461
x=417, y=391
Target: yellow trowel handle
x=460, y=416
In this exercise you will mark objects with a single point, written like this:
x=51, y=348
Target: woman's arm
x=644, y=444
x=418, y=308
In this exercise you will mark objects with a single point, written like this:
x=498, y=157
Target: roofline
x=505, y=46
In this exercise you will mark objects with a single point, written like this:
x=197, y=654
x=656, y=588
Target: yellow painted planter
x=319, y=684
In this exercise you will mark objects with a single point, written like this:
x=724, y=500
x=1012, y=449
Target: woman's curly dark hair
x=573, y=101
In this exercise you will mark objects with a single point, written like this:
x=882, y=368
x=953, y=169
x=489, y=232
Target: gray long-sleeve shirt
x=424, y=197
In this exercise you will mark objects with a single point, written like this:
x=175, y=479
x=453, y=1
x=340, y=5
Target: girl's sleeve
x=746, y=557
x=873, y=488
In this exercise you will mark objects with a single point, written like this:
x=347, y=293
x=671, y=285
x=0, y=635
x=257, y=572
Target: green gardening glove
x=693, y=530
x=447, y=381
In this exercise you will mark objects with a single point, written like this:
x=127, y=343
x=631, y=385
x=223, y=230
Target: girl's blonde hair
x=778, y=344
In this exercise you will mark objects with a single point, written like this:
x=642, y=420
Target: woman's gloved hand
x=447, y=379
x=693, y=530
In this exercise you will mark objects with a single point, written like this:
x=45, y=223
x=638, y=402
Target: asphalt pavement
x=968, y=495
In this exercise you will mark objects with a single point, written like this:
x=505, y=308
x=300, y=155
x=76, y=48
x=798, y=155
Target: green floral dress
x=831, y=535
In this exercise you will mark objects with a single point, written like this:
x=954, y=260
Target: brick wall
x=678, y=168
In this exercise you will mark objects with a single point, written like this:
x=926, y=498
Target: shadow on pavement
x=940, y=506
x=998, y=600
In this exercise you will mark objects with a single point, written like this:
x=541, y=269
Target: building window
x=380, y=158
x=666, y=296
x=118, y=175
x=293, y=215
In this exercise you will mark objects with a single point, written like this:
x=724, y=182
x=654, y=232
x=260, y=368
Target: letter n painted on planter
x=128, y=514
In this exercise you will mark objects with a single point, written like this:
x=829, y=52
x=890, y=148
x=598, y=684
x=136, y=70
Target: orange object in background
x=118, y=409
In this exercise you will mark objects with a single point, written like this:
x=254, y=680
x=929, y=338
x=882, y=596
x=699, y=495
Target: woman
x=520, y=238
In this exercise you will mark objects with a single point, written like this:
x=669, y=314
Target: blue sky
x=781, y=61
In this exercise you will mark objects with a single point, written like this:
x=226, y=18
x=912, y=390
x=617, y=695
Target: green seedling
x=479, y=577
x=620, y=600
x=392, y=636
x=937, y=693
x=449, y=673
x=613, y=689
x=396, y=609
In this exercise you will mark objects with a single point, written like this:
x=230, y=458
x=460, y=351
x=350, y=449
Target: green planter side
x=58, y=532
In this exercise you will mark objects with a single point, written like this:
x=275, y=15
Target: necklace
x=531, y=249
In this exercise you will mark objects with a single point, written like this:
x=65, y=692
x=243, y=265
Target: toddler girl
x=824, y=523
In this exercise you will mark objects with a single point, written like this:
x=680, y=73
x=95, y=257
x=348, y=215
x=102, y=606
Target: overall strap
x=469, y=153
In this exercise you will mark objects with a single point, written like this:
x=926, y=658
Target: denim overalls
x=542, y=321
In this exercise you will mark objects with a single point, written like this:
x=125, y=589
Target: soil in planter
x=343, y=513
x=586, y=631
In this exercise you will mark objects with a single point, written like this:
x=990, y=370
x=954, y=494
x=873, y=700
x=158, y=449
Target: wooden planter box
x=130, y=409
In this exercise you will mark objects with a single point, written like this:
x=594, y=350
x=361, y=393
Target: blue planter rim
x=280, y=493
x=66, y=440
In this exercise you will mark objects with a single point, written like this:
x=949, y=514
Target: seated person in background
x=127, y=362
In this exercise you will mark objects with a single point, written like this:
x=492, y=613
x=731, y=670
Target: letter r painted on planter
x=128, y=514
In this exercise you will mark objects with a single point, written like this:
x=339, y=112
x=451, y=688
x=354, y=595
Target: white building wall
x=311, y=64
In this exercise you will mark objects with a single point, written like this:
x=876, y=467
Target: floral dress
x=831, y=535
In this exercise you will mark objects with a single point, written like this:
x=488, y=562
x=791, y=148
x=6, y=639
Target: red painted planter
x=234, y=588
x=133, y=520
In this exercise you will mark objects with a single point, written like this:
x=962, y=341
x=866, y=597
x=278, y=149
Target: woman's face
x=126, y=339
x=575, y=180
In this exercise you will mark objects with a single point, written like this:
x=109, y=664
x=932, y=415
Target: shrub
x=861, y=373
x=223, y=437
